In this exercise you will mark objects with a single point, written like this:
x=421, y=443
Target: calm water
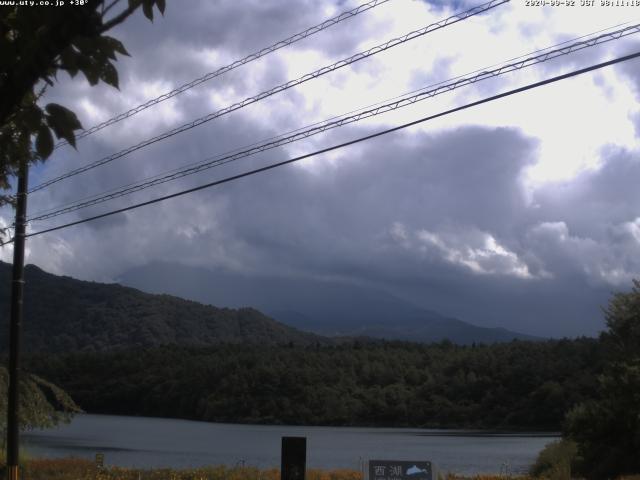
x=155, y=442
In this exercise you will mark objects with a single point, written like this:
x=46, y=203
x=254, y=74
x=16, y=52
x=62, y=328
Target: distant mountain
x=323, y=307
x=63, y=314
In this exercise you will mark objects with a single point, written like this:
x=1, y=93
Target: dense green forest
x=63, y=314
x=517, y=385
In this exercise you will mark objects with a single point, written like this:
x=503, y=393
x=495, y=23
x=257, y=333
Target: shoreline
x=423, y=431
x=144, y=442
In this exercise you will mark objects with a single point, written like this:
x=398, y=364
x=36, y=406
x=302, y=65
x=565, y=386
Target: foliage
x=607, y=427
x=623, y=322
x=42, y=404
x=34, y=47
x=22, y=460
x=262, y=371
x=518, y=385
x=554, y=461
x=63, y=314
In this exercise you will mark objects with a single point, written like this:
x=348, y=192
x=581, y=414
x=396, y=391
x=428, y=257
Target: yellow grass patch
x=80, y=469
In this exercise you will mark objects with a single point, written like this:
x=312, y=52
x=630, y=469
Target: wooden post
x=293, y=463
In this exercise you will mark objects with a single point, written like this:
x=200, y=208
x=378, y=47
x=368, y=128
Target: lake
x=156, y=442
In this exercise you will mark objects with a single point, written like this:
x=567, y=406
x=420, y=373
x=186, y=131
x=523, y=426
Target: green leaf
x=147, y=9
x=63, y=122
x=107, y=51
x=110, y=75
x=91, y=71
x=42, y=404
x=63, y=116
x=86, y=45
x=44, y=142
x=69, y=59
x=116, y=45
x=161, y=4
x=32, y=117
x=62, y=132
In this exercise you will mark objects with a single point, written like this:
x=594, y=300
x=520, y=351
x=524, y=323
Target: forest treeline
x=62, y=314
x=516, y=385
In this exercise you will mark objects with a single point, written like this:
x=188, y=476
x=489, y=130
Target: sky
x=521, y=213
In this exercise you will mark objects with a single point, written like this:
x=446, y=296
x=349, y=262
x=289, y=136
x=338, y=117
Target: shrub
x=554, y=461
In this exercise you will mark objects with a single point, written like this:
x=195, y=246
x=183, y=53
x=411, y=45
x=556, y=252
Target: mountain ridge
x=323, y=307
x=63, y=314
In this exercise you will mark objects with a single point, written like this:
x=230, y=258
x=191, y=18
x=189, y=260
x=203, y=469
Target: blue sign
x=399, y=470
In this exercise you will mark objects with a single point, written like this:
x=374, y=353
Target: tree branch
x=120, y=17
x=106, y=9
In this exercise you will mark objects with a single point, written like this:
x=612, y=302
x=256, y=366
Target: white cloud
x=485, y=256
x=633, y=228
x=607, y=259
x=475, y=250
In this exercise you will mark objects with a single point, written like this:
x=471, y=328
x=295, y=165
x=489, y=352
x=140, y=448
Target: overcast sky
x=522, y=213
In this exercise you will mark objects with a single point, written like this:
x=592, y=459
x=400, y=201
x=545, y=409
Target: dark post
x=17, y=289
x=294, y=458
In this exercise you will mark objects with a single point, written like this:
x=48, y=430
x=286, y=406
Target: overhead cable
x=280, y=88
x=222, y=70
x=396, y=103
x=342, y=145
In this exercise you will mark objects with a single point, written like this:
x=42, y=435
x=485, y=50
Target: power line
x=345, y=144
x=265, y=140
x=519, y=57
x=354, y=58
x=222, y=70
x=396, y=103
x=280, y=88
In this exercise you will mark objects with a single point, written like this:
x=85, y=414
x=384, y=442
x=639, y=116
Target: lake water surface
x=156, y=442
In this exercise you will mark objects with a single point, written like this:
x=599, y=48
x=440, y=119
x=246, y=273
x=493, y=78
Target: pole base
x=13, y=472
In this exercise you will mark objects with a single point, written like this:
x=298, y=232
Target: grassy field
x=78, y=469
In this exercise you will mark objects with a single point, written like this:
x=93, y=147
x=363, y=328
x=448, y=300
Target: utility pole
x=17, y=291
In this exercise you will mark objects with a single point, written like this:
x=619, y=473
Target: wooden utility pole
x=17, y=291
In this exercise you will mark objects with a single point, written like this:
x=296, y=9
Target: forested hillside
x=117, y=350
x=522, y=385
x=62, y=314
x=325, y=307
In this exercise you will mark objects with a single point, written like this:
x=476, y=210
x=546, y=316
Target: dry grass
x=487, y=477
x=79, y=469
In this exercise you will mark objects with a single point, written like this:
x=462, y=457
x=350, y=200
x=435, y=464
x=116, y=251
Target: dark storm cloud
x=349, y=207
x=339, y=222
x=359, y=199
x=592, y=225
x=234, y=30
x=606, y=196
x=371, y=215
x=440, y=218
